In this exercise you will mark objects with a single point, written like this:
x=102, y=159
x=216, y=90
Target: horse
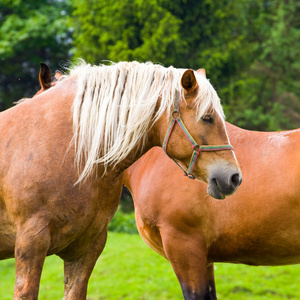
x=64, y=151
x=258, y=225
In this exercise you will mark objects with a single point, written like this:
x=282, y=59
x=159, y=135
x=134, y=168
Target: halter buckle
x=190, y=176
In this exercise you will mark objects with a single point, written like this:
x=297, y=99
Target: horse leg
x=32, y=244
x=211, y=281
x=201, y=289
x=78, y=271
x=187, y=254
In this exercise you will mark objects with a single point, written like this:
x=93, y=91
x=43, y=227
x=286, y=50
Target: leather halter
x=196, y=147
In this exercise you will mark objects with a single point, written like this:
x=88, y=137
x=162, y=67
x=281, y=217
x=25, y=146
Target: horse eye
x=207, y=119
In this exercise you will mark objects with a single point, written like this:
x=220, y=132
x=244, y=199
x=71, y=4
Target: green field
x=128, y=269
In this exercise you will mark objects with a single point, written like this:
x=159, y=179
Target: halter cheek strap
x=176, y=118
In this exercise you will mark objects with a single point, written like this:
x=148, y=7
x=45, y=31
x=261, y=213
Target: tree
x=268, y=94
x=248, y=47
x=221, y=36
x=124, y=30
x=30, y=32
x=182, y=33
x=278, y=64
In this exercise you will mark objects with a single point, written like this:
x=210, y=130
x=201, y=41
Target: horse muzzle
x=223, y=182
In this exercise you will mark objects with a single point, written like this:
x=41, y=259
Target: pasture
x=129, y=270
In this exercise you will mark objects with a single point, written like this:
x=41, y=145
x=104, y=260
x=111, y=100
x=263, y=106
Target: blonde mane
x=115, y=106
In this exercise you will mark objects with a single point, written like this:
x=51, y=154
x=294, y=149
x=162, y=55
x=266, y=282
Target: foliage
x=30, y=32
x=129, y=269
x=249, y=48
x=124, y=30
x=126, y=201
x=278, y=63
x=182, y=33
x=123, y=222
x=274, y=90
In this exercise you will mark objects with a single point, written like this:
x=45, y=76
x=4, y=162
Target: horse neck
x=152, y=140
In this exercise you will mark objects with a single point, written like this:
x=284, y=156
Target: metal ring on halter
x=197, y=148
x=174, y=113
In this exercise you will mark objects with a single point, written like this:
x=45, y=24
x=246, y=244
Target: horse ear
x=189, y=81
x=202, y=72
x=45, y=77
x=58, y=74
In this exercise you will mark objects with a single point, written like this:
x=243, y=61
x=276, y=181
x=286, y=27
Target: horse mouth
x=214, y=191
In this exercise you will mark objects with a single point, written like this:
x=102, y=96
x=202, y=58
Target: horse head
x=197, y=136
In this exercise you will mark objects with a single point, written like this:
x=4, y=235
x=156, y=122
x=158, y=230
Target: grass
x=129, y=270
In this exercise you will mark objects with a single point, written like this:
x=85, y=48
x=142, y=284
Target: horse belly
x=261, y=249
x=7, y=246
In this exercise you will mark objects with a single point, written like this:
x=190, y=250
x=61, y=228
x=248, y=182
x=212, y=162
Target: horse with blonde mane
x=64, y=151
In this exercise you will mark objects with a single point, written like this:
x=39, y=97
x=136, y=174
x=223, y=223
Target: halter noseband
x=196, y=148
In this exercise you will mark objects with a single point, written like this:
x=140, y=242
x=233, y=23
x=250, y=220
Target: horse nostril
x=236, y=180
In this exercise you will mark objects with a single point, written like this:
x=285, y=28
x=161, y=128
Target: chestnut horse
x=258, y=225
x=63, y=154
